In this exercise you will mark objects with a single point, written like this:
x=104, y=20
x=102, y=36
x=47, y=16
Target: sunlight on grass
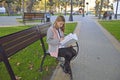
x=113, y=27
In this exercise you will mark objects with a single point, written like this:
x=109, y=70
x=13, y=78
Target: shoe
x=69, y=72
x=63, y=68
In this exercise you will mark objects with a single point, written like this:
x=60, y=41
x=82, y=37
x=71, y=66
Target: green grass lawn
x=10, y=15
x=26, y=62
x=20, y=20
x=113, y=27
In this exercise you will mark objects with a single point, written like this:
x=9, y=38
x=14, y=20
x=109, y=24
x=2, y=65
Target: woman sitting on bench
x=55, y=34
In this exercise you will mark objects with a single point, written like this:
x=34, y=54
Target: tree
x=29, y=5
x=97, y=7
x=101, y=5
x=9, y=7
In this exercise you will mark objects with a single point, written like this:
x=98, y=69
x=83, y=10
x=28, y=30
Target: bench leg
x=42, y=62
x=71, y=77
x=70, y=71
x=9, y=69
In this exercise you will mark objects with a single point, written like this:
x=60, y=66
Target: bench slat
x=10, y=37
x=20, y=46
x=16, y=44
x=18, y=40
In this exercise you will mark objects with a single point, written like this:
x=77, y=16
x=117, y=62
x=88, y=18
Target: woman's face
x=60, y=24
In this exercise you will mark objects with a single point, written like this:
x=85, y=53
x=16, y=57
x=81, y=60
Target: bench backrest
x=13, y=43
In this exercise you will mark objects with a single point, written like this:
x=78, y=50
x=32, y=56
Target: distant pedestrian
x=110, y=16
x=105, y=15
x=48, y=17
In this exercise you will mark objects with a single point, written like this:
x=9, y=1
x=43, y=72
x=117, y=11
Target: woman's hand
x=61, y=39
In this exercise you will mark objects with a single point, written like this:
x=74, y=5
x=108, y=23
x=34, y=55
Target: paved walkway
x=6, y=21
x=98, y=59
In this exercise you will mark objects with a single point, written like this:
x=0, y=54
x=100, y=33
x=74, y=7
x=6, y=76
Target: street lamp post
x=87, y=7
x=45, y=6
x=116, y=9
x=71, y=16
x=83, y=8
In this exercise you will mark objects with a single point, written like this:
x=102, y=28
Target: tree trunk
x=30, y=5
x=100, y=9
x=65, y=7
x=96, y=9
x=8, y=9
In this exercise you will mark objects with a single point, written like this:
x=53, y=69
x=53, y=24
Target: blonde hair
x=58, y=19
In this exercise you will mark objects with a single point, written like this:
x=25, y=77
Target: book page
x=69, y=39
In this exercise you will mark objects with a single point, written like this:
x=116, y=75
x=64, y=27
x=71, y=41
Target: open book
x=69, y=39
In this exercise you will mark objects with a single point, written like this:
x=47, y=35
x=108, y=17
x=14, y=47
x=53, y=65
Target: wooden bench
x=12, y=43
x=34, y=16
